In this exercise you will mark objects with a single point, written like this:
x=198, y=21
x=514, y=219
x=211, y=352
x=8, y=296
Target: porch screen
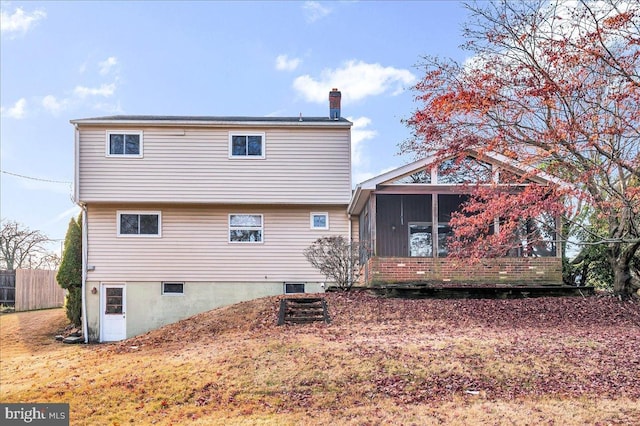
x=447, y=204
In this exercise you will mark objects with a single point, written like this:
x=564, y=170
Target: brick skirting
x=507, y=270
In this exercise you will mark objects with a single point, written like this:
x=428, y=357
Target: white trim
x=139, y=212
x=171, y=294
x=247, y=156
x=76, y=164
x=250, y=228
x=311, y=222
x=108, y=133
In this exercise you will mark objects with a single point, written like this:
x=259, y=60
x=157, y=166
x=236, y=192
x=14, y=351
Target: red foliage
x=554, y=88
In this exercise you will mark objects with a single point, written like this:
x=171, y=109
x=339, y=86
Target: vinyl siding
x=194, y=245
x=302, y=166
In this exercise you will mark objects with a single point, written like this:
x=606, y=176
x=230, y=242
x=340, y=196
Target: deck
x=471, y=291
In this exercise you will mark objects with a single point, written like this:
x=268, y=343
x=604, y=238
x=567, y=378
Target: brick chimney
x=334, y=104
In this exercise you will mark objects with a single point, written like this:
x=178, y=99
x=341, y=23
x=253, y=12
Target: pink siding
x=191, y=165
x=194, y=244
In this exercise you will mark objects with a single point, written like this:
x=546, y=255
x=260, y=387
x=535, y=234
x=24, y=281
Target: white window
x=134, y=223
x=319, y=220
x=121, y=143
x=245, y=228
x=246, y=145
x=172, y=289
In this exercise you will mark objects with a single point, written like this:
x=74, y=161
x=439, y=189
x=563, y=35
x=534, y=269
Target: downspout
x=85, y=239
x=76, y=196
x=350, y=248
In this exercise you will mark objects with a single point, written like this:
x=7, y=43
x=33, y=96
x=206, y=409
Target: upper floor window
x=319, y=220
x=246, y=145
x=124, y=143
x=139, y=223
x=245, y=228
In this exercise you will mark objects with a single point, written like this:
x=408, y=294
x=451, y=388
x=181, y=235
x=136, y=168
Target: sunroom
x=404, y=225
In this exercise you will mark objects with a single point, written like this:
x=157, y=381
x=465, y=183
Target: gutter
x=210, y=123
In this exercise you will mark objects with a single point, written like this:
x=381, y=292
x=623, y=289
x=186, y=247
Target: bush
x=73, y=305
x=69, y=274
x=337, y=258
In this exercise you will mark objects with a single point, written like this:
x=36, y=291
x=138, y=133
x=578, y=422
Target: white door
x=113, y=308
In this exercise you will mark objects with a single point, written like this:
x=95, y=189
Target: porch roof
x=364, y=189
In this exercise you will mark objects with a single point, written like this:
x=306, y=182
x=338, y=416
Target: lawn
x=563, y=361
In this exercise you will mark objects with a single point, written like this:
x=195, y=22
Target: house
x=186, y=214
x=403, y=219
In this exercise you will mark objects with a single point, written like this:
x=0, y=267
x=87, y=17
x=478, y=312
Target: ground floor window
x=245, y=228
x=293, y=288
x=172, y=289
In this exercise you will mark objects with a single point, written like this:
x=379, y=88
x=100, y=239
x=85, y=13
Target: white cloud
x=105, y=90
x=356, y=79
x=109, y=108
x=359, y=134
x=314, y=11
x=53, y=105
x=17, y=111
x=20, y=21
x=66, y=215
x=283, y=63
x=107, y=65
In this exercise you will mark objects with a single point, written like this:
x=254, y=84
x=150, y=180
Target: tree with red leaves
x=556, y=88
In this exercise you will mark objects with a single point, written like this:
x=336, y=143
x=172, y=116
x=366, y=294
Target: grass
x=566, y=361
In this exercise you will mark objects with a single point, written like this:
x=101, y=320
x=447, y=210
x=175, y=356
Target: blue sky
x=67, y=60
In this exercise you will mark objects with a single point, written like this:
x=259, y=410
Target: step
x=302, y=311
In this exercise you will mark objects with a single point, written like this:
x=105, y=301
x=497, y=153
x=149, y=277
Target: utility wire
x=34, y=178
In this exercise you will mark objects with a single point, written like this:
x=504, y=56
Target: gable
x=474, y=168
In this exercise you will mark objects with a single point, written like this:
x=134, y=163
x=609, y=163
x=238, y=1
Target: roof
x=364, y=189
x=191, y=120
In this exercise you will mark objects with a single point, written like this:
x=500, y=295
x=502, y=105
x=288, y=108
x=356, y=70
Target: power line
x=34, y=178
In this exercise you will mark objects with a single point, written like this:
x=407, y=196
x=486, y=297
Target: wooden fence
x=37, y=289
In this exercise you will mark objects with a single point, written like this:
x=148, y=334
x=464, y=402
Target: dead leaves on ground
x=412, y=351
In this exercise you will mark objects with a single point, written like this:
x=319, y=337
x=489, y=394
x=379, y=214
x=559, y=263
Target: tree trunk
x=620, y=259
x=622, y=279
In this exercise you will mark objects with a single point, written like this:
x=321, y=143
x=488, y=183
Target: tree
x=556, y=87
x=21, y=247
x=337, y=258
x=70, y=273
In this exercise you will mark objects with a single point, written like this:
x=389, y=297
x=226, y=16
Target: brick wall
x=509, y=270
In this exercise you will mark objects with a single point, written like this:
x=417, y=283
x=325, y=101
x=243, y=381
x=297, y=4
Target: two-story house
x=186, y=214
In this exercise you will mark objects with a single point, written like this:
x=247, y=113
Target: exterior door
x=113, y=308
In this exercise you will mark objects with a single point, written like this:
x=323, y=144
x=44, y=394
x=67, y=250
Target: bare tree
x=337, y=258
x=21, y=247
